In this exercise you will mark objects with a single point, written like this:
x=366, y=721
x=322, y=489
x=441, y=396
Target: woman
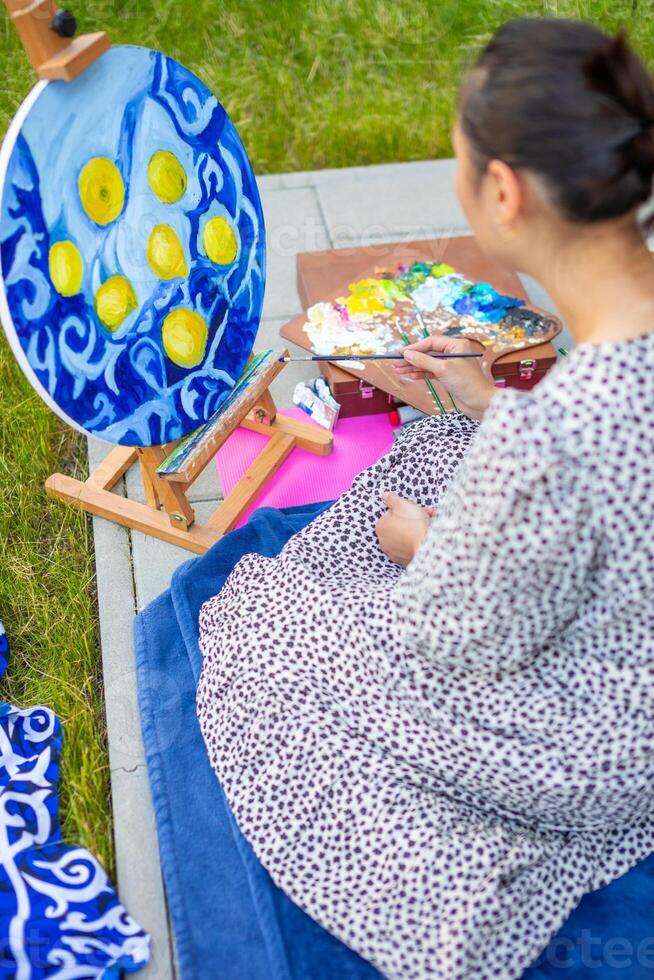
x=437, y=762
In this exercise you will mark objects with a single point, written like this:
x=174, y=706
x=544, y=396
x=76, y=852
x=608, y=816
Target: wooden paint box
x=524, y=369
x=322, y=274
x=354, y=395
x=357, y=397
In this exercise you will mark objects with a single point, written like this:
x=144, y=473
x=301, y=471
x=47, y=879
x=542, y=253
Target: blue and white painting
x=132, y=251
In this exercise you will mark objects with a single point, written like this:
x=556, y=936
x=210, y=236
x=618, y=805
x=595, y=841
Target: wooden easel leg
x=172, y=496
x=262, y=469
x=130, y=513
x=176, y=522
x=152, y=498
x=112, y=468
x=306, y=436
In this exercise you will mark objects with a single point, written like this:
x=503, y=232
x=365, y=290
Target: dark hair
x=568, y=102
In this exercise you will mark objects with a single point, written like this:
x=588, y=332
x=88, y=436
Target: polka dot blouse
x=437, y=763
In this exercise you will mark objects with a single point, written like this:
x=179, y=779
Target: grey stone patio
x=303, y=212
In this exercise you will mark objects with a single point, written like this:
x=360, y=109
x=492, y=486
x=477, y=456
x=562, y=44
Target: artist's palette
x=379, y=312
x=132, y=251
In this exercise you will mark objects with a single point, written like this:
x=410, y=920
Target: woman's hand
x=463, y=377
x=400, y=531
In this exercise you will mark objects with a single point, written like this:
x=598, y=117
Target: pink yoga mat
x=304, y=478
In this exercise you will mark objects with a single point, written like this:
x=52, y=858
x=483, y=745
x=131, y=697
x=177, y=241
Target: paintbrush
x=366, y=357
x=425, y=333
x=430, y=386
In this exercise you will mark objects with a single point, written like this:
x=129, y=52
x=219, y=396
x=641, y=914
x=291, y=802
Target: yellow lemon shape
x=114, y=300
x=66, y=269
x=219, y=241
x=165, y=253
x=184, y=334
x=166, y=176
x=101, y=190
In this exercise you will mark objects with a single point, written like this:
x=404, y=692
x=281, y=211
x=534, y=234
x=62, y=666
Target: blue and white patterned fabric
x=59, y=915
x=4, y=650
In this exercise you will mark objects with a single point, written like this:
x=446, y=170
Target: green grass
x=309, y=84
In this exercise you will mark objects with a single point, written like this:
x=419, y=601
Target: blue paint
x=121, y=386
x=485, y=304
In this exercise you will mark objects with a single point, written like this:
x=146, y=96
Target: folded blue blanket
x=229, y=919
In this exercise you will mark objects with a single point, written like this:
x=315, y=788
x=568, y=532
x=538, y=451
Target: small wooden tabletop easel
x=167, y=471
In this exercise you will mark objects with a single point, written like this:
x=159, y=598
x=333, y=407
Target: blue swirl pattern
x=59, y=915
x=122, y=386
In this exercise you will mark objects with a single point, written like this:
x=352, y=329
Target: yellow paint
x=364, y=304
x=219, y=241
x=166, y=176
x=66, y=269
x=165, y=253
x=114, y=300
x=101, y=190
x=184, y=335
x=369, y=296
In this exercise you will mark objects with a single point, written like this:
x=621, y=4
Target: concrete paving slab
x=283, y=385
x=314, y=178
x=294, y=223
x=206, y=487
x=402, y=199
x=376, y=247
x=140, y=884
x=154, y=561
x=117, y=607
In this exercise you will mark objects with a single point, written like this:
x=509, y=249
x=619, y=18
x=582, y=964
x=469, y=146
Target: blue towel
x=229, y=919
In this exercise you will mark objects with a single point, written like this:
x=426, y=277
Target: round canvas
x=132, y=252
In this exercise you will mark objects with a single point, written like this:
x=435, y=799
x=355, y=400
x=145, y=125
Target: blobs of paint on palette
x=332, y=329
x=184, y=334
x=371, y=296
x=165, y=253
x=101, y=190
x=378, y=310
x=114, y=301
x=66, y=268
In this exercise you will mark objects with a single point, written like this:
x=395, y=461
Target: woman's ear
x=506, y=192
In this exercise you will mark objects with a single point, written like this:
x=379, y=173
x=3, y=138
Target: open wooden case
x=325, y=275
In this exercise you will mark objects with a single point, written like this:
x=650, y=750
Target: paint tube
x=315, y=398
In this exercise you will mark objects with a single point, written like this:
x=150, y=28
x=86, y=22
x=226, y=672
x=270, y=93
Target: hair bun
x=571, y=104
x=615, y=71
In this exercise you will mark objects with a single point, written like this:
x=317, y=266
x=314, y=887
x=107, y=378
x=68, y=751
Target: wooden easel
x=167, y=513
x=45, y=33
